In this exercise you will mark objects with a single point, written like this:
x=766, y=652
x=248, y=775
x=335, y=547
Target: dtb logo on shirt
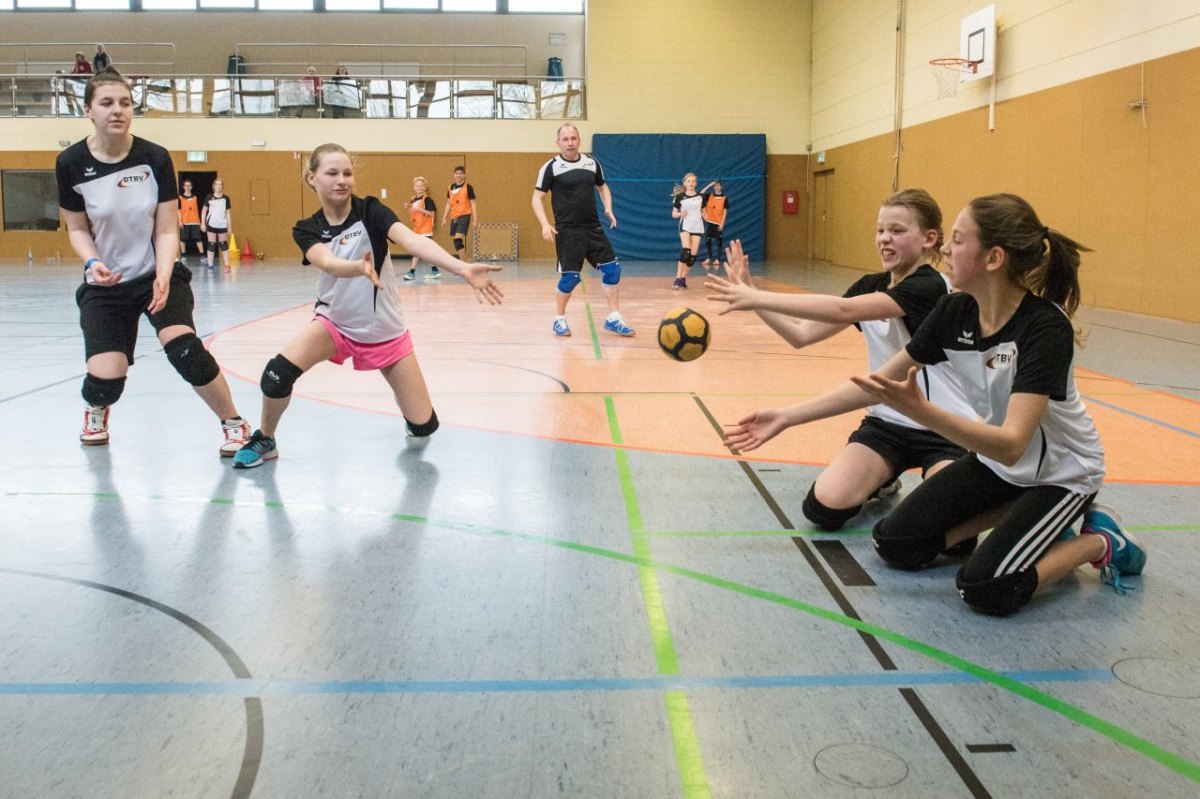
x=1004, y=357
x=349, y=237
x=133, y=180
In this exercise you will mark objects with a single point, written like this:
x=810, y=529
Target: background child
x=421, y=213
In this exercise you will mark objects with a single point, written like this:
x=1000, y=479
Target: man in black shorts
x=572, y=178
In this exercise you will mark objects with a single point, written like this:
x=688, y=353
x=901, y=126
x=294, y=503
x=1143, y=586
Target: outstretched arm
x=760, y=427
x=478, y=276
x=320, y=256
x=1005, y=442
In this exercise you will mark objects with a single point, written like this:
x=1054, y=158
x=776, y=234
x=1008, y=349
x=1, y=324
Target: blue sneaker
x=258, y=449
x=618, y=326
x=560, y=327
x=1125, y=555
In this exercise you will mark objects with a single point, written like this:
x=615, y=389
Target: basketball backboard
x=977, y=43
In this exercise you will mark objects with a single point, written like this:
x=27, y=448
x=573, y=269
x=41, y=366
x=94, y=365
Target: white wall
x=1042, y=43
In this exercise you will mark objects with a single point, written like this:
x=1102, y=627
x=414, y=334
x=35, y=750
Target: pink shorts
x=367, y=357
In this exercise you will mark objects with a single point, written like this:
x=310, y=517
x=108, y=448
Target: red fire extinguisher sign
x=791, y=201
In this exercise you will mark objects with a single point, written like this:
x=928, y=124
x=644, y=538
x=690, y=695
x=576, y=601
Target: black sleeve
x=429, y=205
x=164, y=173
x=677, y=201
x=926, y=345
x=917, y=295
x=866, y=284
x=1044, y=354
x=228, y=204
x=599, y=174
x=470, y=192
x=378, y=216
x=68, y=198
x=545, y=178
x=306, y=233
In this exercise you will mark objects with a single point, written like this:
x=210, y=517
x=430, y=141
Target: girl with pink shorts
x=357, y=314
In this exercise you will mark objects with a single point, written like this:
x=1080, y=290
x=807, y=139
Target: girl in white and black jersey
x=887, y=307
x=118, y=198
x=688, y=208
x=216, y=220
x=357, y=314
x=1036, y=463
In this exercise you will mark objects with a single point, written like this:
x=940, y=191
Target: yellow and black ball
x=684, y=334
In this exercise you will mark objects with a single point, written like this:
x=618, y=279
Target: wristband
x=89, y=263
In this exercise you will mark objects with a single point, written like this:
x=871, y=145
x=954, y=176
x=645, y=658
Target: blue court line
x=266, y=687
x=1143, y=417
x=675, y=179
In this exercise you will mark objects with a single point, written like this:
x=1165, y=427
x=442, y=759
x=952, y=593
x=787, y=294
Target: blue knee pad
x=193, y=362
x=102, y=391
x=278, y=377
x=610, y=273
x=567, y=282
x=824, y=517
x=904, y=550
x=998, y=596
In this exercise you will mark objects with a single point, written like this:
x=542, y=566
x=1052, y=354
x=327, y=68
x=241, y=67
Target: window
x=43, y=3
x=426, y=5
x=545, y=6
x=468, y=5
x=227, y=3
x=168, y=5
x=101, y=5
x=351, y=5
x=30, y=199
x=285, y=5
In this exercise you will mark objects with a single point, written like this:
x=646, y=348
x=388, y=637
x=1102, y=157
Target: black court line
x=566, y=389
x=252, y=756
x=960, y=765
x=843, y=563
x=989, y=748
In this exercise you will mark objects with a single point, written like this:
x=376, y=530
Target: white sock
x=614, y=316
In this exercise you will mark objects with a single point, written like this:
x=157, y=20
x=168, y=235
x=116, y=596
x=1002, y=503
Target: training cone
x=234, y=253
x=247, y=253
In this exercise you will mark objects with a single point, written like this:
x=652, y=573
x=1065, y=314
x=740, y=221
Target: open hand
x=755, y=430
x=901, y=395
x=480, y=279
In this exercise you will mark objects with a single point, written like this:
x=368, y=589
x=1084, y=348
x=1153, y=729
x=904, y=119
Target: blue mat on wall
x=642, y=168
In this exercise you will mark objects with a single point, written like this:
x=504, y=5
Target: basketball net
x=948, y=72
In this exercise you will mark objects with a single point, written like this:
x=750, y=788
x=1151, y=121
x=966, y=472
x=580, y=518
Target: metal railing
x=356, y=96
x=49, y=58
x=385, y=60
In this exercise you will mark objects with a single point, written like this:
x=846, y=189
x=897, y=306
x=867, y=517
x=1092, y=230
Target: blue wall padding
x=642, y=168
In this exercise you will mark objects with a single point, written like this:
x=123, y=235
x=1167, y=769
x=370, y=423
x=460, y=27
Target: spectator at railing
x=312, y=91
x=81, y=66
x=341, y=92
x=101, y=59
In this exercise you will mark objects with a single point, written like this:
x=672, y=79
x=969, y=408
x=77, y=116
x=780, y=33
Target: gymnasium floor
x=573, y=589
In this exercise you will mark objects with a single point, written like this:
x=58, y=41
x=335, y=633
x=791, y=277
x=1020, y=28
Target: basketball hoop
x=948, y=72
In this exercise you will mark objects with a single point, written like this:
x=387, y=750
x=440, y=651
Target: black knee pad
x=423, y=430
x=102, y=391
x=278, y=377
x=685, y=257
x=998, y=596
x=224, y=245
x=211, y=246
x=903, y=550
x=194, y=363
x=824, y=517
x=459, y=243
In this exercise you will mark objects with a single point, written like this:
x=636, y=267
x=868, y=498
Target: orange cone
x=247, y=253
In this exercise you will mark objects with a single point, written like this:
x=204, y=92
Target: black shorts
x=109, y=315
x=217, y=231
x=190, y=233
x=905, y=447
x=459, y=224
x=573, y=245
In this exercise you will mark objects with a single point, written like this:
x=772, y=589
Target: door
x=820, y=205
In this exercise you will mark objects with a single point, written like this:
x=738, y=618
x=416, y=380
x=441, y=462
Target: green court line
x=1128, y=739
x=592, y=328
x=679, y=716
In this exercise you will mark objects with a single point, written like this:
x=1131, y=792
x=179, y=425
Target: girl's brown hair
x=1041, y=260
x=926, y=210
x=104, y=77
